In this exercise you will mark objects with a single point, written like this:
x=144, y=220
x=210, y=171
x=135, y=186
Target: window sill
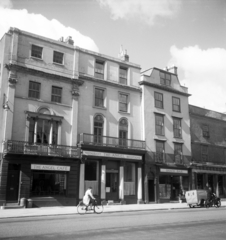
x=178, y=140
x=103, y=108
x=58, y=64
x=35, y=58
x=160, y=138
x=126, y=113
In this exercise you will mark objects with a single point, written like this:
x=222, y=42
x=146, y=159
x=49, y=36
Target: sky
x=189, y=34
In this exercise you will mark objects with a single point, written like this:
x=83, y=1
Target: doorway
x=151, y=191
x=112, y=185
x=12, y=187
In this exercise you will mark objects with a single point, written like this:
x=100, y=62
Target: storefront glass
x=49, y=183
x=129, y=179
x=91, y=176
x=200, y=181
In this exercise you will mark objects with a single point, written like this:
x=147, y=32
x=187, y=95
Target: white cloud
x=144, y=10
x=204, y=75
x=38, y=24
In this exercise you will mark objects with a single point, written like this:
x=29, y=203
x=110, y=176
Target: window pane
x=99, y=97
x=56, y=94
x=34, y=90
x=58, y=57
x=36, y=51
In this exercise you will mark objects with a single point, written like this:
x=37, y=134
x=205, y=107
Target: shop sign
x=173, y=170
x=50, y=167
x=112, y=155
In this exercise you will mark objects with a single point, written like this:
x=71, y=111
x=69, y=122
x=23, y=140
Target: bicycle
x=83, y=209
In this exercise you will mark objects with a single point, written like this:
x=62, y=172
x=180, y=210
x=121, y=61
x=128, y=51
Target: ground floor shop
x=114, y=177
x=214, y=176
x=166, y=184
x=48, y=181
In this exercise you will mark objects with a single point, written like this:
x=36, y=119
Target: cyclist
x=88, y=197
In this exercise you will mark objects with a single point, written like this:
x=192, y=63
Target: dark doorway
x=151, y=191
x=12, y=183
x=112, y=186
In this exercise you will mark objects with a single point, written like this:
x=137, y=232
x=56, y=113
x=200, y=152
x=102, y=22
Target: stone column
x=121, y=182
x=59, y=133
x=35, y=130
x=139, y=184
x=103, y=181
x=82, y=181
x=51, y=132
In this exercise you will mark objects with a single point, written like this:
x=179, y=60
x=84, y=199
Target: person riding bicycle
x=88, y=197
x=209, y=192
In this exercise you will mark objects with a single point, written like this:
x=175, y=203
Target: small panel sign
x=165, y=170
x=50, y=167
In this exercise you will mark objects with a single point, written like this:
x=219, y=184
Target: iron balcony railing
x=161, y=157
x=91, y=139
x=19, y=147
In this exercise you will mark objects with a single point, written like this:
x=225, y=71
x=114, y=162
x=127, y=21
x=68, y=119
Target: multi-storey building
x=167, y=134
x=39, y=115
x=55, y=96
x=208, y=145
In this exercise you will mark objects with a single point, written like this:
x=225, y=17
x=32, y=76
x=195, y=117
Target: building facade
x=39, y=106
x=208, y=145
x=167, y=134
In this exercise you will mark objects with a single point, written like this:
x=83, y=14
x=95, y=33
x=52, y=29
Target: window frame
x=56, y=62
x=176, y=152
x=56, y=95
x=36, y=55
x=178, y=105
x=123, y=80
x=205, y=131
x=160, y=155
x=99, y=73
x=177, y=127
x=163, y=79
x=127, y=103
x=98, y=138
x=204, y=154
x=104, y=97
x=123, y=132
x=34, y=90
x=158, y=101
x=162, y=125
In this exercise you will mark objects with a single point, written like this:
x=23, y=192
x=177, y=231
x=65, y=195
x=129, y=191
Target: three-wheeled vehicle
x=196, y=198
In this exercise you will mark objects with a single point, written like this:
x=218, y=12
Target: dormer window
x=165, y=78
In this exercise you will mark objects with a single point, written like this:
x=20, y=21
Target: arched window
x=98, y=129
x=123, y=132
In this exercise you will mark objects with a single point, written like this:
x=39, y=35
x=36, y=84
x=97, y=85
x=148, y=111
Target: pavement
x=53, y=211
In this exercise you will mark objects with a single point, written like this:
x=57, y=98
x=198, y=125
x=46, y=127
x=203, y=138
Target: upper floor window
x=34, y=89
x=56, y=94
x=123, y=102
x=36, y=51
x=99, y=69
x=58, y=57
x=160, y=148
x=159, y=124
x=123, y=75
x=165, y=78
x=123, y=132
x=205, y=131
x=158, y=100
x=204, y=153
x=176, y=104
x=98, y=129
x=99, y=97
x=178, y=152
x=177, y=128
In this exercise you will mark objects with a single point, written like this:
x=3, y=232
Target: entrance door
x=112, y=186
x=151, y=190
x=175, y=187
x=12, y=183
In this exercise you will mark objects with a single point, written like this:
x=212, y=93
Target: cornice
x=168, y=89
x=32, y=71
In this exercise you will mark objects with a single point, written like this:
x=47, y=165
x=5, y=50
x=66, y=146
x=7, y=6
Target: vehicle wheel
x=207, y=205
x=98, y=209
x=81, y=208
x=190, y=205
x=217, y=203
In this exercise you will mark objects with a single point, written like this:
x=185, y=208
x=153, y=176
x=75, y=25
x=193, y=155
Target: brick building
x=208, y=145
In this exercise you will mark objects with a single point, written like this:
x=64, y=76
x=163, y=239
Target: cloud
x=38, y=24
x=144, y=10
x=204, y=75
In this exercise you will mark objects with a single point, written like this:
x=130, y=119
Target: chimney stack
x=123, y=55
x=69, y=40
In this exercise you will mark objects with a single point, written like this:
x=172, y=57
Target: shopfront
x=114, y=177
x=173, y=183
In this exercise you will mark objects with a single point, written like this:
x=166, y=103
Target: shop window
x=123, y=132
x=91, y=176
x=45, y=183
x=200, y=181
x=98, y=129
x=220, y=185
x=129, y=179
x=164, y=187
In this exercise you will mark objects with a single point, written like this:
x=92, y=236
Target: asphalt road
x=165, y=224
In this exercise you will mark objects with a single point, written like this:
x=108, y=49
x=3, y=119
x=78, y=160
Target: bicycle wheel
x=98, y=209
x=81, y=208
x=217, y=203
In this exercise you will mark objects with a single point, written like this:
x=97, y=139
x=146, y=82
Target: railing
x=159, y=157
x=19, y=147
x=91, y=139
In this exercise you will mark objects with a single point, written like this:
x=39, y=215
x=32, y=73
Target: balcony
x=159, y=157
x=163, y=158
x=90, y=139
x=26, y=148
